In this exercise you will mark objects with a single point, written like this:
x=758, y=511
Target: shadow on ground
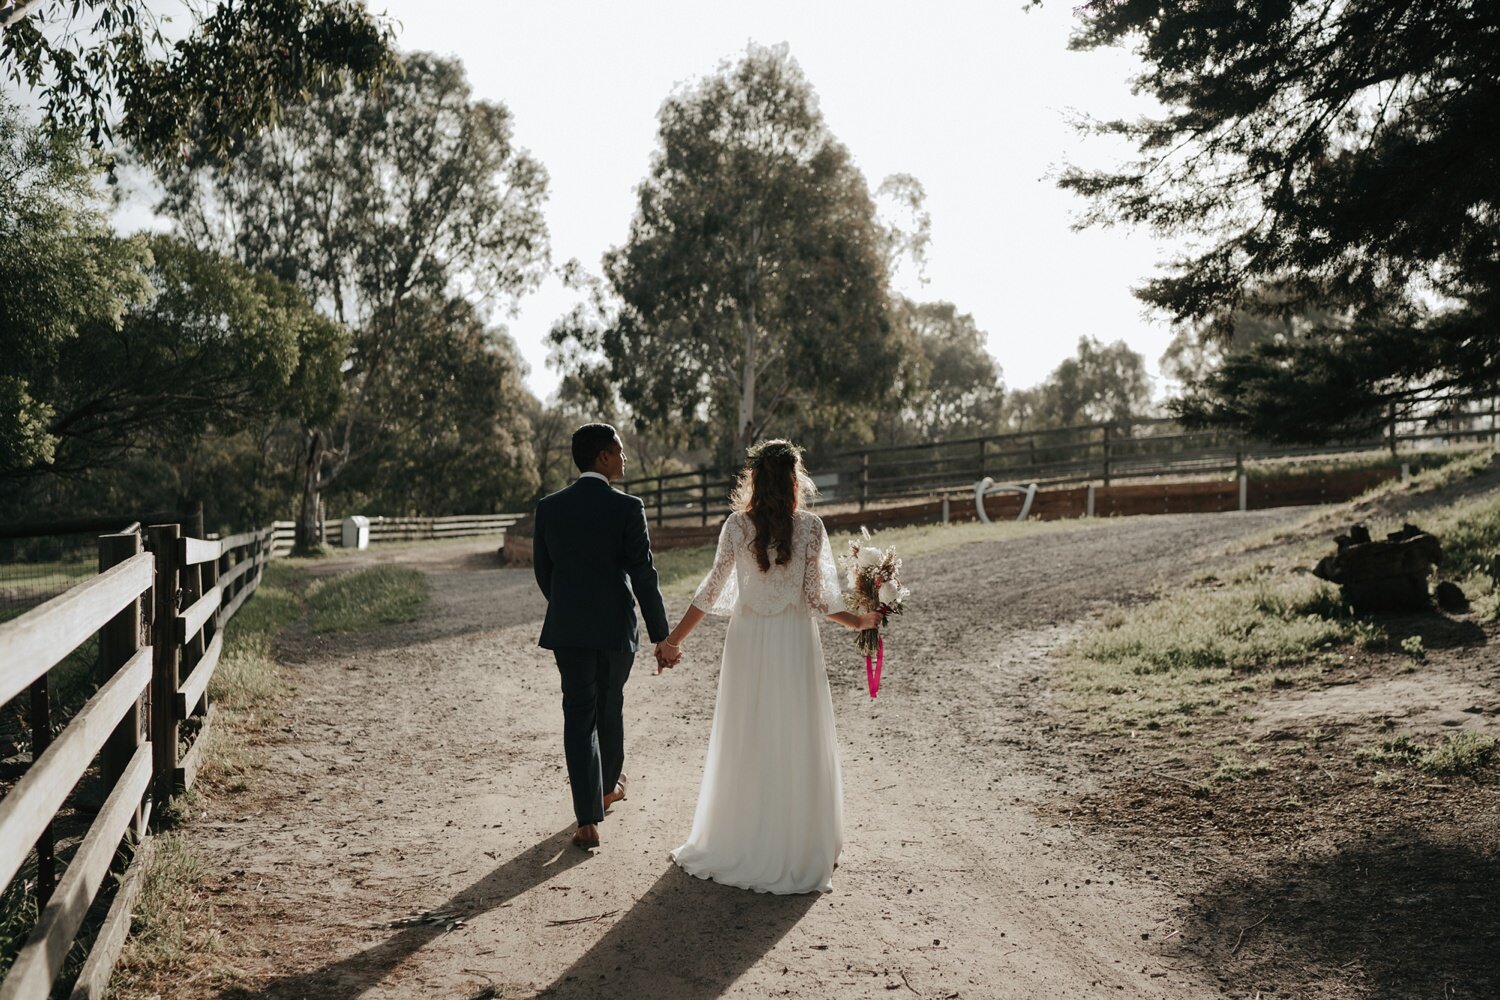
x=685, y=939
x=349, y=977
x=1405, y=917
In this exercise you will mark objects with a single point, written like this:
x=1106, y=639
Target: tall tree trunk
x=309, y=532
x=747, y=431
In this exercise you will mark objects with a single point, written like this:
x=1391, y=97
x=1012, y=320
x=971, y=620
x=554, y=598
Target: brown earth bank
x=997, y=844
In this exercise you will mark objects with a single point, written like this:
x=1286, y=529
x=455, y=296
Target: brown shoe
x=618, y=795
x=586, y=836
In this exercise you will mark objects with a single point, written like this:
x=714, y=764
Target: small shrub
x=1412, y=646
x=1460, y=753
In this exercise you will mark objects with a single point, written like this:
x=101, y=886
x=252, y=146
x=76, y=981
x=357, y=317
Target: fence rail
x=402, y=529
x=158, y=603
x=1103, y=454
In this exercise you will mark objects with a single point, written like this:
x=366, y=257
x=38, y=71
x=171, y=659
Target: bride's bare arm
x=685, y=625
x=849, y=619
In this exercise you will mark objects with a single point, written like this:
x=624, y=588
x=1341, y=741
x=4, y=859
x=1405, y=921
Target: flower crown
x=776, y=448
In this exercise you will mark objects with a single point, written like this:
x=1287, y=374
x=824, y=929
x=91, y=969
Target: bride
x=770, y=812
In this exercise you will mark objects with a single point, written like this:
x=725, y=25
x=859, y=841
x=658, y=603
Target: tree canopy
x=105, y=69
x=1334, y=157
x=1101, y=383
x=387, y=208
x=751, y=290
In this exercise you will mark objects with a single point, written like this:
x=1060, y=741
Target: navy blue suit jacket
x=590, y=539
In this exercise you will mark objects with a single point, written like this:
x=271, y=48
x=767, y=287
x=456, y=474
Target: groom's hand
x=666, y=656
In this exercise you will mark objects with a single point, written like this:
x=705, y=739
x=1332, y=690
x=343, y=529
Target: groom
x=592, y=558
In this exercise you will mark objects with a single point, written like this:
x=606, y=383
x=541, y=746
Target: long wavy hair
x=772, y=487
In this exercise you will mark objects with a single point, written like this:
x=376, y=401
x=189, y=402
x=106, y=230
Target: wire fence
x=33, y=570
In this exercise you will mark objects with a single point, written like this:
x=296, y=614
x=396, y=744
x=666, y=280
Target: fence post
x=1088, y=510
x=864, y=479
x=660, y=480
x=983, y=448
x=119, y=640
x=1393, y=429
x=1244, y=492
x=41, y=739
x=1107, y=436
x=164, y=657
x=1239, y=464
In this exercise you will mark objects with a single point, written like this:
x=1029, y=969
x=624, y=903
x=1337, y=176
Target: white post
x=945, y=510
x=1089, y=512
x=1244, y=481
x=1405, y=472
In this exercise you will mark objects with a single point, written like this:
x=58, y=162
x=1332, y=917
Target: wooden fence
x=402, y=529
x=1104, y=454
x=158, y=608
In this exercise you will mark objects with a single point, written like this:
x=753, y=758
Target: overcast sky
x=970, y=97
x=973, y=98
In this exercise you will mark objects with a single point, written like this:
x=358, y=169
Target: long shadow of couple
x=684, y=938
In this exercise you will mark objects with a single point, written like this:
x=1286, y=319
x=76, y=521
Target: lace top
x=809, y=579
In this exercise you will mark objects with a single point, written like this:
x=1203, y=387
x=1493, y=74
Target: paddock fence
x=1105, y=455
x=402, y=529
x=141, y=639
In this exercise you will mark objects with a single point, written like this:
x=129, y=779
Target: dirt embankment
x=995, y=847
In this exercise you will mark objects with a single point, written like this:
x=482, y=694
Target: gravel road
x=419, y=768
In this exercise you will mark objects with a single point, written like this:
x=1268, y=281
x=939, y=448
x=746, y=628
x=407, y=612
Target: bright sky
x=970, y=97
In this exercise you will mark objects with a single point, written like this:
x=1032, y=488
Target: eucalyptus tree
x=1321, y=156
x=751, y=291
x=382, y=205
x=106, y=69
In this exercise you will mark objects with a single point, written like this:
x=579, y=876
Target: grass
x=1197, y=651
x=172, y=928
x=381, y=595
x=1458, y=753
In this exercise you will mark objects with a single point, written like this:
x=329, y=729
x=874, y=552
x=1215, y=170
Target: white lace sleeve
x=717, y=593
x=820, y=574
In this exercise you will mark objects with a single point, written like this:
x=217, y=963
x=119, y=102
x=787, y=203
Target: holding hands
x=668, y=654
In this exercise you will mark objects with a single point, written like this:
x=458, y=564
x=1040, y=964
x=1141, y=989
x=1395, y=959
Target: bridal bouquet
x=873, y=586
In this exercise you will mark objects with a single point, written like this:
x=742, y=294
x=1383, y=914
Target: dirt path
x=419, y=768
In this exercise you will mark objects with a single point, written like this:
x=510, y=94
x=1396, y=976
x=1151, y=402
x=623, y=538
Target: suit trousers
x=593, y=690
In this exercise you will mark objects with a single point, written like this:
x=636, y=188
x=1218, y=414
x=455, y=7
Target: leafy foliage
x=1103, y=382
x=403, y=213
x=238, y=70
x=754, y=270
x=1328, y=156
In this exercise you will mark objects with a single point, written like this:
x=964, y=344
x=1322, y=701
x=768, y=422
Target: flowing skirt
x=770, y=813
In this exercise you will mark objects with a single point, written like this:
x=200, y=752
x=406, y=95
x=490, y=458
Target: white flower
x=889, y=592
x=870, y=556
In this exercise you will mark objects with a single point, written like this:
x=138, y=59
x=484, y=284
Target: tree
x=458, y=439
x=953, y=388
x=1104, y=383
x=61, y=269
x=113, y=345
x=239, y=68
x=1341, y=156
x=378, y=205
x=214, y=345
x=753, y=281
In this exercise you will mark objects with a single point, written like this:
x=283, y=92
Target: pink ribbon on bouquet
x=873, y=665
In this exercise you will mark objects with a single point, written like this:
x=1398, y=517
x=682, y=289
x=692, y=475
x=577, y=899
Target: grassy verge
x=381, y=595
x=174, y=927
x=1458, y=753
x=1206, y=648
x=1199, y=651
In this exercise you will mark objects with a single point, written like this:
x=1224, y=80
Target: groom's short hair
x=588, y=441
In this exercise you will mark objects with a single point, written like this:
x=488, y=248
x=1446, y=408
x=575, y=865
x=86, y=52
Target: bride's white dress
x=770, y=813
